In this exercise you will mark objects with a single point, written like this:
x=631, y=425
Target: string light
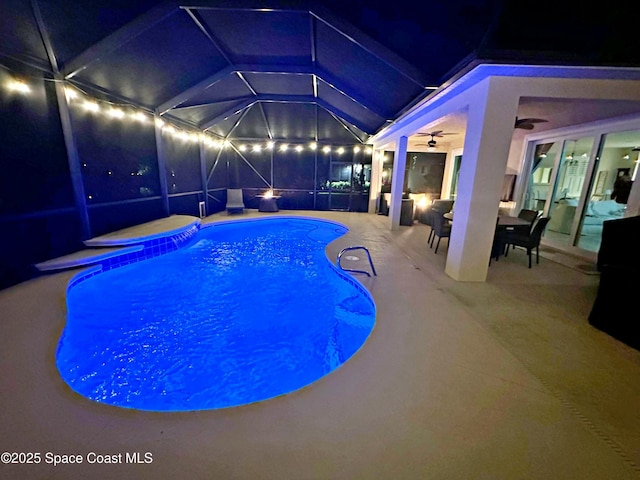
x=115, y=113
x=91, y=106
x=124, y=112
x=139, y=116
x=70, y=93
x=18, y=86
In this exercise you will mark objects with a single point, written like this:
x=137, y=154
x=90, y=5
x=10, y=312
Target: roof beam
x=44, y=35
x=227, y=113
x=344, y=116
x=209, y=34
x=194, y=90
x=346, y=127
x=371, y=46
x=120, y=37
x=271, y=69
x=339, y=86
x=207, y=104
x=288, y=99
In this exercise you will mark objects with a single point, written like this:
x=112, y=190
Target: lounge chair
x=235, y=203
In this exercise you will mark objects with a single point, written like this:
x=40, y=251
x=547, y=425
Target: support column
x=486, y=150
x=397, y=182
x=203, y=174
x=162, y=166
x=74, y=161
x=376, y=180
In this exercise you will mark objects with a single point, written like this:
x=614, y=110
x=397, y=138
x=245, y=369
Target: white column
x=491, y=116
x=376, y=179
x=397, y=182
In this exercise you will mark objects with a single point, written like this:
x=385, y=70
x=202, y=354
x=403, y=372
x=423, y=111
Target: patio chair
x=439, y=206
x=525, y=214
x=530, y=241
x=440, y=226
x=235, y=203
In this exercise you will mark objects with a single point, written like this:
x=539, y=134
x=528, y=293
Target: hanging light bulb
x=18, y=86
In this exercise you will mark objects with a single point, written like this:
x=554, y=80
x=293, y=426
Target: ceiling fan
x=528, y=123
x=436, y=133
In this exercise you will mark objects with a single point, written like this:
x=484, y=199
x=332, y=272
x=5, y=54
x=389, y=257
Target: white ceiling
x=559, y=113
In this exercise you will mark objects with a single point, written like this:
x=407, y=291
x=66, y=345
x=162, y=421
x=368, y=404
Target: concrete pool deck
x=503, y=379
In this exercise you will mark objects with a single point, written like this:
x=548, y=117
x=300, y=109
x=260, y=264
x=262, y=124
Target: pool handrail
x=356, y=247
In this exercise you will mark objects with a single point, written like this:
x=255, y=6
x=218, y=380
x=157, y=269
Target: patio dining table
x=505, y=223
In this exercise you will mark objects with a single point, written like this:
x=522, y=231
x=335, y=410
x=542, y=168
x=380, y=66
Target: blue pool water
x=247, y=311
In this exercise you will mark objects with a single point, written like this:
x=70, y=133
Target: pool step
x=90, y=256
x=122, y=242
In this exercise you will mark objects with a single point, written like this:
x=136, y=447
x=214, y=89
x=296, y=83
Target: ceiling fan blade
x=525, y=126
x=530, y=120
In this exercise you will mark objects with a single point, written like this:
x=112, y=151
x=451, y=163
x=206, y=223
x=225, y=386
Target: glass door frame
x=597, y=130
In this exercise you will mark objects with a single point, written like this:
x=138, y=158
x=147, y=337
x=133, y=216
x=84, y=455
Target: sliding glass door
x=581, y=181
x=613, y=176
x=569, y=182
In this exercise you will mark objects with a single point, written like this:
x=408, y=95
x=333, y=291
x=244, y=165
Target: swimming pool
x=247, y=311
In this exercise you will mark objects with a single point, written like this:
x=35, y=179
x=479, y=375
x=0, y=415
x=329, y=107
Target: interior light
x=18, y=86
